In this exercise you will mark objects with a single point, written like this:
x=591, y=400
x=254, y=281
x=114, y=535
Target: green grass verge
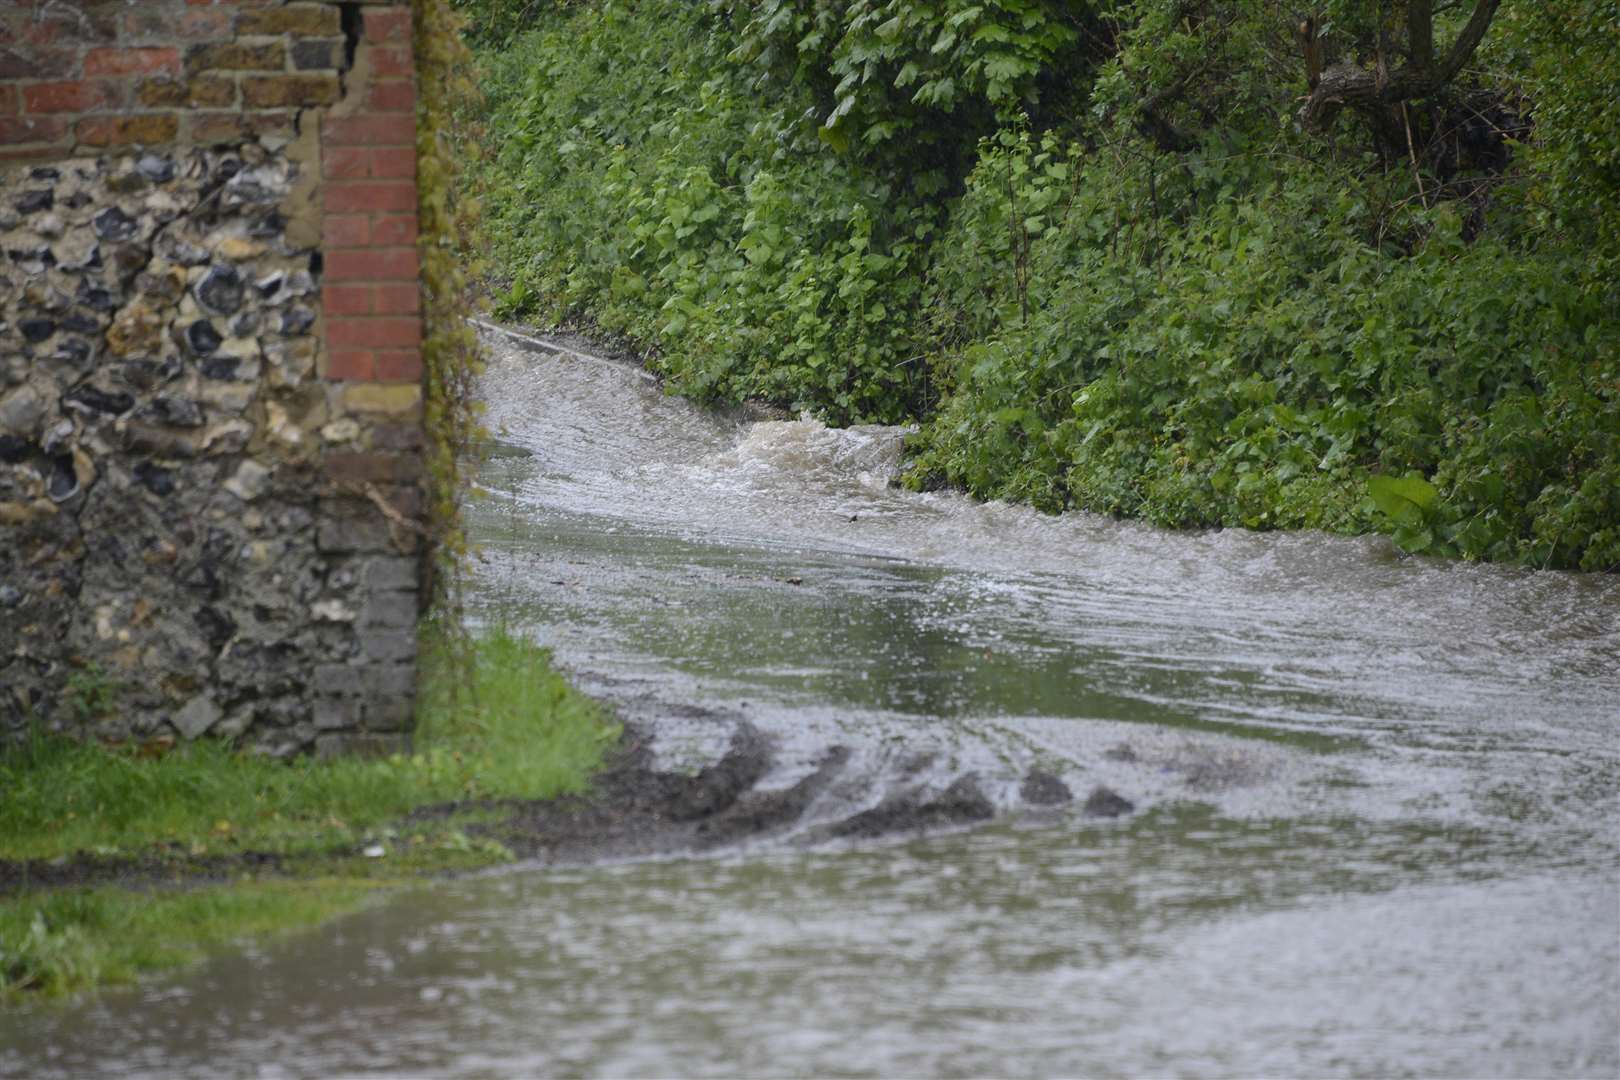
x=502, y=724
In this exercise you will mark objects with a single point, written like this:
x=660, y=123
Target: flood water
x=1378, y=824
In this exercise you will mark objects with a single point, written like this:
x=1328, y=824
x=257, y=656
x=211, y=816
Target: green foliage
x=1411, y=503
x=1089, y=247
x=53, y=944
x=91, y=693
x=640, y=179
x=448, y=226
x=887, y=69
x=1242, y=370
x=1569, y=48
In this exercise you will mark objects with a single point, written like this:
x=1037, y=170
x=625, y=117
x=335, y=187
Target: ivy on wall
x=448, y=222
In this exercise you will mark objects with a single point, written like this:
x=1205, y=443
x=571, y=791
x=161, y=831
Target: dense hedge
x=1095, y=251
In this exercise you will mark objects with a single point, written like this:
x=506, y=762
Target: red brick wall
x=368, y=165
x=78, y=77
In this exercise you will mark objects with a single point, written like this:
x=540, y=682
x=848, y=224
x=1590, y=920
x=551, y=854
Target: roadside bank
x=116, y=861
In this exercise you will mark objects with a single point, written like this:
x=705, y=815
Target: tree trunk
x=1377, y=96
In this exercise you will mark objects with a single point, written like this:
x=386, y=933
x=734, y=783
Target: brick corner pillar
x=372, y=365
x=211, y=370
x=371, y=294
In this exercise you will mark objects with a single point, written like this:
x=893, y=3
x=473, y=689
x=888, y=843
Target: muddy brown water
x=1378, y=798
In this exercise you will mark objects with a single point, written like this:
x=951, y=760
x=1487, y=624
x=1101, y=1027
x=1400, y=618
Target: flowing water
x=1378, y=797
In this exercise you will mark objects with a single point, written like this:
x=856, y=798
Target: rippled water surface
x=1378, y=826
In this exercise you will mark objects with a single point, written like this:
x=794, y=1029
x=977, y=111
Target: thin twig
x=1411, y=152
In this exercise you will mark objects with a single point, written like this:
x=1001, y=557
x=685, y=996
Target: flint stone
x=158, y=170
x=157, y=480
x=174, y=412
x=136, y=329
x=269, y=227
x=199, y=714
x=52, y=300
x=227, y=437
x=162, y=282
x=112, y=224
x=340, y=431
x=76, y=252
x=178, y=251
x=202, y=339
x=270, y=284
x=94, y=297
x=129, y=260
x=252, y=186
x=163, y=207
x=149, y=374
x=21, y=410
x=64, y=482
x=297, y=320
x=73, y=351
x=229, y=397
x=249, y=482
x=220, y=291
x=36, y=330
x=127, y=183
x=94, y=399
x=140, y=439
x=220, y=367
x=57, y=438
x=35, y=200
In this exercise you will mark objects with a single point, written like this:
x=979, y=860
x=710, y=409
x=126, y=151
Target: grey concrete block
x=392, y=573
x=385, y=644
x=337, y=715
x=335, y=680
x=379, y=681
x=395, y=610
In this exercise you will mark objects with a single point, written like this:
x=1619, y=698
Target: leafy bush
x=1092, y=249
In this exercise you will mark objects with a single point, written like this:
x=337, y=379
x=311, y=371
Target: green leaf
x=1403, y=498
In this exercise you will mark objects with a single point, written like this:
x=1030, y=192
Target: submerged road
x=1377, y=825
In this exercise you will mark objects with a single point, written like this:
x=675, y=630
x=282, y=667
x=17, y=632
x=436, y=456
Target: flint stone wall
x=210, y=403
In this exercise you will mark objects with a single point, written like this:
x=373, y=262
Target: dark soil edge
x=632, y=811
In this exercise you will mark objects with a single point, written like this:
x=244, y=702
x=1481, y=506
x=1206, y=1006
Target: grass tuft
x=501, y=724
